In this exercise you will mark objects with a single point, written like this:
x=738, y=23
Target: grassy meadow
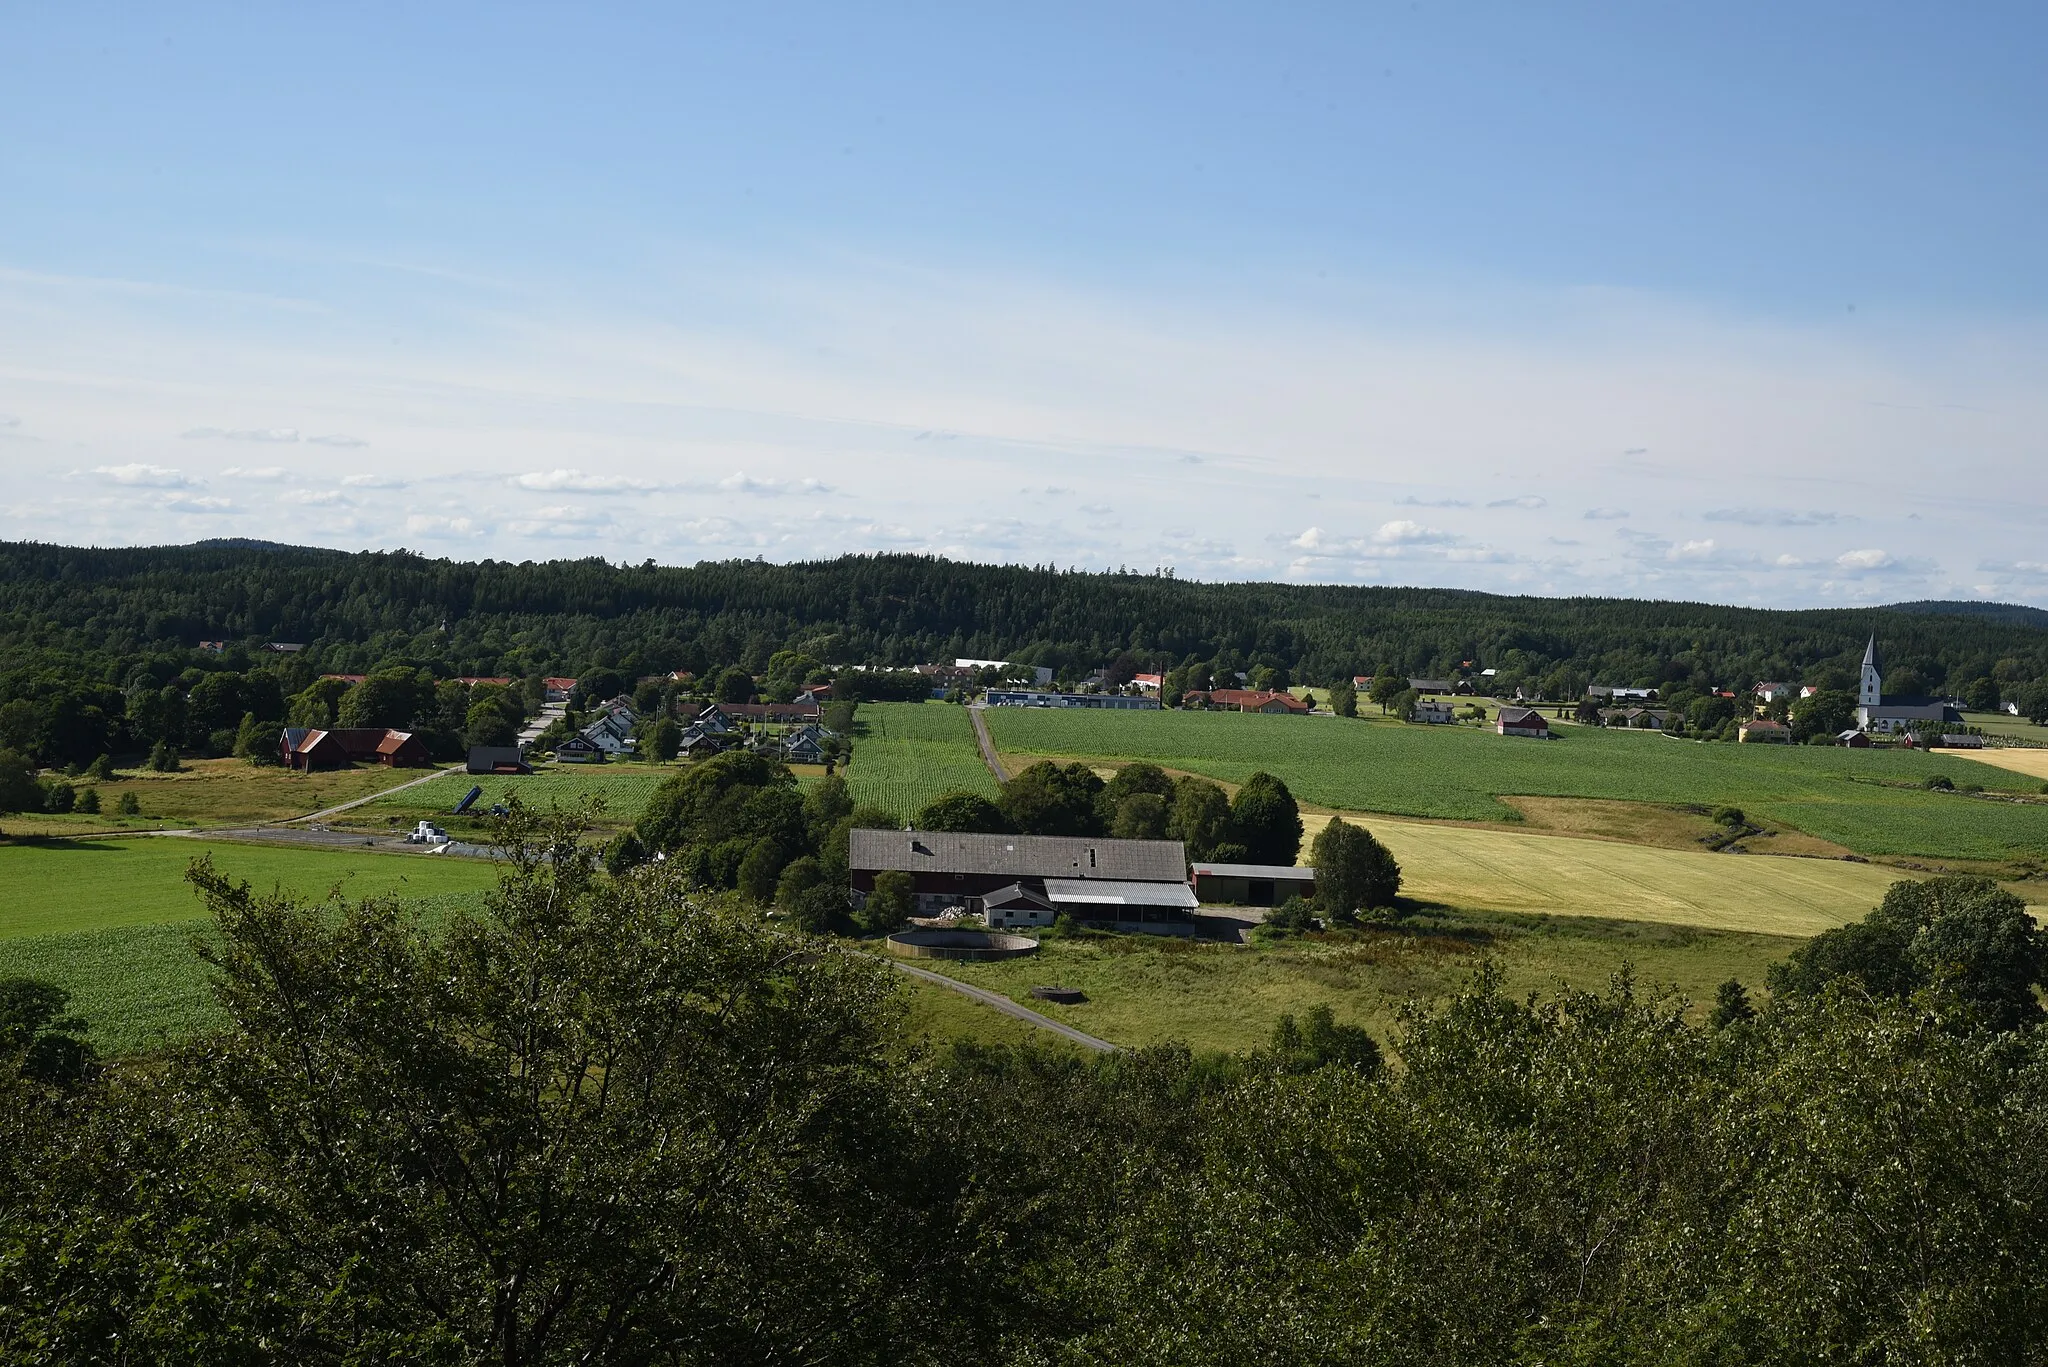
x=1148, y=990
x=1863, y=800
x=905, y=754
x=218, y=792
x=113, y=921
x=624, y=787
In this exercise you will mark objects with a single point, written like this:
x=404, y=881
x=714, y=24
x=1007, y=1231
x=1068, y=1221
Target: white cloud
x=373, y=482
x=740, y=482
x=1310, y=540
x=186, y=503
x=427, y=524
x=276, y=434
x=1605, y=514
x=265, y=472
x=562, y=521
x=1773, y=517
x=1694, y=550
x=575, y=481
x=148, y=476
x=9, y=420
x=1411, y=501
x=337, y=439
x=1531, y=501
x=1865, y=560
x=1406, y=533
x=312, y=498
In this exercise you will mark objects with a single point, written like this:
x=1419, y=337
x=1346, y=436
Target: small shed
x=1854, y=739
x=1251, y=885
x=1521, y=721
x=307, y=749
x=1152, y=906
x=497, y=759
x=1015, y=905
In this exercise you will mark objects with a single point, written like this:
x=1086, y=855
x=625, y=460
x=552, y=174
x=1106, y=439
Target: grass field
x=1843, y=796
x=1574, y=876
x=217, y=792
x=1145, y=990
x=625, y=789
x=113, y=921
x=905, y=754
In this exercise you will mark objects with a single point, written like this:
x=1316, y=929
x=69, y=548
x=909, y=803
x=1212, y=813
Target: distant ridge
x=2005, y=614
x=245, y=543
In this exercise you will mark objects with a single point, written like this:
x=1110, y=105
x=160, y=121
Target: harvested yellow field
x=1571, y=876
x=2033, y=763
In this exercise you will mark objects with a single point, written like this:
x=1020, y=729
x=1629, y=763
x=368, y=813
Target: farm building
x=1764, y=730
x=1434, y=713
x=1520, y=721
x=1251, y=885
x=1854, y=739
x=1027, y=697
x=1122, y=883
x=306, y=749
x=1255, y=700
x=496, y=759
x=1015, y=905
x=1440, y=686
x=1953, y=741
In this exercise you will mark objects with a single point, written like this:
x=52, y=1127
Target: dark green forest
x=72, y=615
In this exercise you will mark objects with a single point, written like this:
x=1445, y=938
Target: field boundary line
x=988, y=746
x=1006, y=1006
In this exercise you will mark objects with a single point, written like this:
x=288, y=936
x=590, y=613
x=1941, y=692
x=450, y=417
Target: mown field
x=113, y=921
x=1146, y=990
x=905, y=754
x=1844, y=796
x=217, y=792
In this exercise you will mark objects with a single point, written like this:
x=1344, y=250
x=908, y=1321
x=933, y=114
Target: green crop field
x=1143, y=990
x=625, y=789
x=112, y=921
x=1459, y=773
x=905, y=754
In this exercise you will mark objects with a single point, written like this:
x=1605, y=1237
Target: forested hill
x=2010, y=614
x=95, y=608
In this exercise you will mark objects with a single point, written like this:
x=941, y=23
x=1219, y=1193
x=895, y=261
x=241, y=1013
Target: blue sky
x=1739, y=304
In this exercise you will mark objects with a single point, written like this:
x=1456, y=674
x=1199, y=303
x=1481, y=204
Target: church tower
x=1871, y=692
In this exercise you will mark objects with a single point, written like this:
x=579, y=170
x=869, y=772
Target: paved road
x=988, y=746
x=330, y=811
x=1007, y=1007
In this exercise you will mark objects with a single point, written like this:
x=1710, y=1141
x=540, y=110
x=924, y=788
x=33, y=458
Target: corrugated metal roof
x=1018, y=856
x=1101, y=892
x=1294, y=872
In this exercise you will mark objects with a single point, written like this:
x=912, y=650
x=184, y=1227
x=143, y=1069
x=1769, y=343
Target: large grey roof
x=1019, y=856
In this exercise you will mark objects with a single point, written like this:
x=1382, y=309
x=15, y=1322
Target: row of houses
x=1029, y=697
x=1027, y=880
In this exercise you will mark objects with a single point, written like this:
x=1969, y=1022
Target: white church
x=1873, y=713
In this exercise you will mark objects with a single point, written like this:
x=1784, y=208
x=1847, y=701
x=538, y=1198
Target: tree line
x=613, y=1118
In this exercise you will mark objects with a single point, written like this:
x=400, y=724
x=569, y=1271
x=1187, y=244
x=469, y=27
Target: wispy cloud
x=1605, y=514
x=445, y=528
x=271, y=473
x=1866, y=561
x=1774, y=517
x=337, y=439
x=1406, y=533
x=148, y=476
x=576, y=481
x=312, y=498
x=273, y=434
x=1410, y=501
x=1525, y=501
x=373, y=482
x=740, y=482
x=187, y=503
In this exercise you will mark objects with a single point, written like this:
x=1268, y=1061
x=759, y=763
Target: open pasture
x=905, y=754
x=1144, y=990
x=1561, y=875
x=1460, y=773
x=113, y=921
x=624, y=788
x=216, y=792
